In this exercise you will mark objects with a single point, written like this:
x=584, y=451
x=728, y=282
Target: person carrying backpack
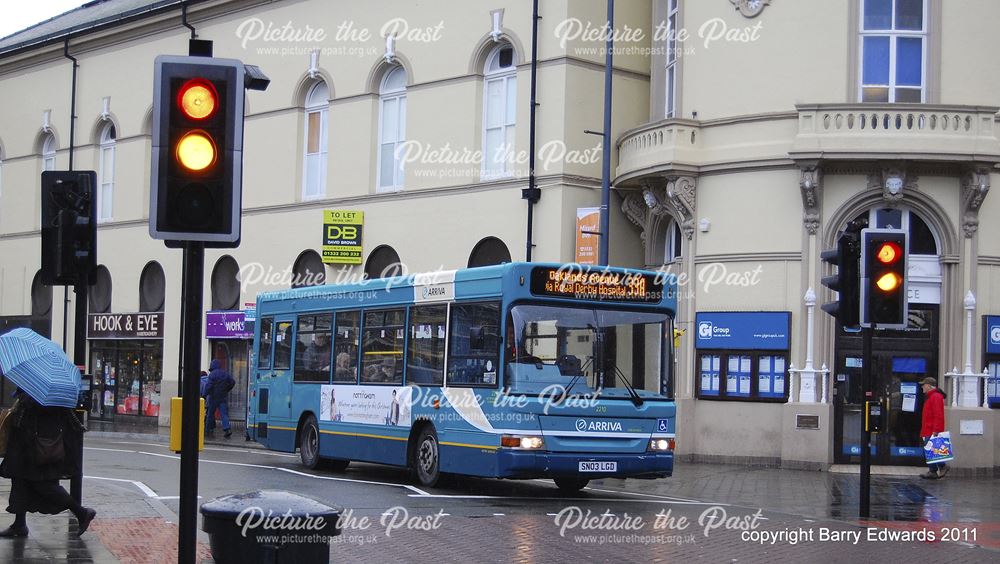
x=220, y=383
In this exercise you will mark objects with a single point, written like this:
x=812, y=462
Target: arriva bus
x=521, y=370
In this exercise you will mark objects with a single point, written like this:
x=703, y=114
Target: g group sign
x=991, y=324
x=752, y=330
x=342, y=231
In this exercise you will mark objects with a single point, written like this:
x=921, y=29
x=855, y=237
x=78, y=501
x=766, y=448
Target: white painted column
x=968, y=389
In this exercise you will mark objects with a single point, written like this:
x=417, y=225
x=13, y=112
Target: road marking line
x=415, y=489
x=143, y=487
x=498, y=514
x=569, y=499
x=171, y=497
x=671, y=498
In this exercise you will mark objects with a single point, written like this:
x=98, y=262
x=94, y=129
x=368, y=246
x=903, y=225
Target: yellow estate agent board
x=342, y=236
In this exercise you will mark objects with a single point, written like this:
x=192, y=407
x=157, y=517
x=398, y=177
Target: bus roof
x=516, y=280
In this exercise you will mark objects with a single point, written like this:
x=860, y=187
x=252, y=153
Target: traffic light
x=69, y=227
x=883, y=285
x=197, y=162
x=846, y=281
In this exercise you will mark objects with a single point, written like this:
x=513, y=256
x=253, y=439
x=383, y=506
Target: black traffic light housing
x=197, y=120
x=884, y=278
x=847, y=281
x=69, y=227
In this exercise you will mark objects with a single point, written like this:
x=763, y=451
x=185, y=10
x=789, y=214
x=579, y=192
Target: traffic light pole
x=866, y=436
x=193, y=291
x=79, y=359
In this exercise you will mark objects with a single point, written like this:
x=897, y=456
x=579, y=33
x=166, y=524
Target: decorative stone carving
x=810, y=185
x=682, y=200
x=975, y=186
x=635, y=210
x=893, y=180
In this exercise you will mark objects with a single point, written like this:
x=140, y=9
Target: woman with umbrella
x=45, y=434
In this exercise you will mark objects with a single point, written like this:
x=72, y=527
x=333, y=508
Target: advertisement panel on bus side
x=373, y=405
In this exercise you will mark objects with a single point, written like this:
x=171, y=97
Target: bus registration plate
x=601, y=466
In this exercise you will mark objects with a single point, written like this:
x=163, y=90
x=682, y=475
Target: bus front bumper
x=528, y=464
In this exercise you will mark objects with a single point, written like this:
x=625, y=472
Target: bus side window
x=425, y=364
x=474, y=344
x=266, y=338
x=345, y=347
x=283, y=345
x=382, y=347
x=312, y=351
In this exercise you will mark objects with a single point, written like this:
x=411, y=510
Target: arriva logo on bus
x=584, y=425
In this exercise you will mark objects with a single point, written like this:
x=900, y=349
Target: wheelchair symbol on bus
x=661, y=425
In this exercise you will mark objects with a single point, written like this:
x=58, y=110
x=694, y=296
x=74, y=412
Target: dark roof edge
x=97, y=25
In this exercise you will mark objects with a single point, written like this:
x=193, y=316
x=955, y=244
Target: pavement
x=500, y=521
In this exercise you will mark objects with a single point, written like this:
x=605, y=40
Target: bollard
x=269, y=526
x=175, y=424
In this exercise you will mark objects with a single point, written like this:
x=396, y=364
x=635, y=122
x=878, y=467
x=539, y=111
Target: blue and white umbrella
x=39, y=367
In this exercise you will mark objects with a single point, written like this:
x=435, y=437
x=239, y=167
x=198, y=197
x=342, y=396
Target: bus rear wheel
x=571, y=485
x=427, y=458
x=309, y=443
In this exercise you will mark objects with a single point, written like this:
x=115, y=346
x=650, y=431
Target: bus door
x=280, y=377
x=260, y=381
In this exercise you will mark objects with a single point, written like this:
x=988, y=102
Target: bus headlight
x=526, y=442
x=661, y=445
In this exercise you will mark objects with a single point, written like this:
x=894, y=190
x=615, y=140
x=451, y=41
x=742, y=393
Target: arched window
x=49, y=152
x=99, y=295
x=105, y=197
x=922, y=239
x=308, y=270
x=226, y=284
x=489, y=251
x=392, y=129
x=384, y=263
x=314, y=175
x=152, y=287
x=499, y=110
x=672, y=244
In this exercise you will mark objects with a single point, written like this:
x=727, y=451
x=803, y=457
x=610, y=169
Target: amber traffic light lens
x=888, y=282
x=197, y=99
x=196, y=151
x=888, y=253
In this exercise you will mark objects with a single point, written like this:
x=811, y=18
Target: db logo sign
x=705, y=330
x=995, y=334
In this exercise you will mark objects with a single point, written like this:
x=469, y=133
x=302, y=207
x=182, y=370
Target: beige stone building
x=747, y=134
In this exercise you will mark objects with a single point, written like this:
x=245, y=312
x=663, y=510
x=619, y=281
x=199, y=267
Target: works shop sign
x=342, y=236
x=125, y=325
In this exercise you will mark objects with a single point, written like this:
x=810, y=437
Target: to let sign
x=125, y=325
x=342, y=236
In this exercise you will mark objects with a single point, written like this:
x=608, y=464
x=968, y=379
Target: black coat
x=30, y=420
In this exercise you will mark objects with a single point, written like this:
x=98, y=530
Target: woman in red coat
x=932, y=422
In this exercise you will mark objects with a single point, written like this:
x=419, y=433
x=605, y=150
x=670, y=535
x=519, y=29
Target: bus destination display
x=596, y=285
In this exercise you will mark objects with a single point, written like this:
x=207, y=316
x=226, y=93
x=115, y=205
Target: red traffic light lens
x=198, y=99
x=888, y=253
x=889, y=282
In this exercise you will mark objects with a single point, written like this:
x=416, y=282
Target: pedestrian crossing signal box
x=176, y=409
x=873, y=417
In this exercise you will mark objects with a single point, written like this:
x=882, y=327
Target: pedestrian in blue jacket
x=220, y=382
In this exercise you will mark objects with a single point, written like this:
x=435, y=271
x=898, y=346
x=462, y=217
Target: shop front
x=126, y=359
x=230, y=340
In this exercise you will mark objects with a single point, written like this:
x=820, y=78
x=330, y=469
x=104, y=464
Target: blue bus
x=520, y=370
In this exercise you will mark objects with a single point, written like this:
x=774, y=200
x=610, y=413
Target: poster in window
x=764, y=375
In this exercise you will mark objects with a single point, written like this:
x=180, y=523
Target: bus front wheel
x=427, y=458
x=309, y=443
x=571, y=485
